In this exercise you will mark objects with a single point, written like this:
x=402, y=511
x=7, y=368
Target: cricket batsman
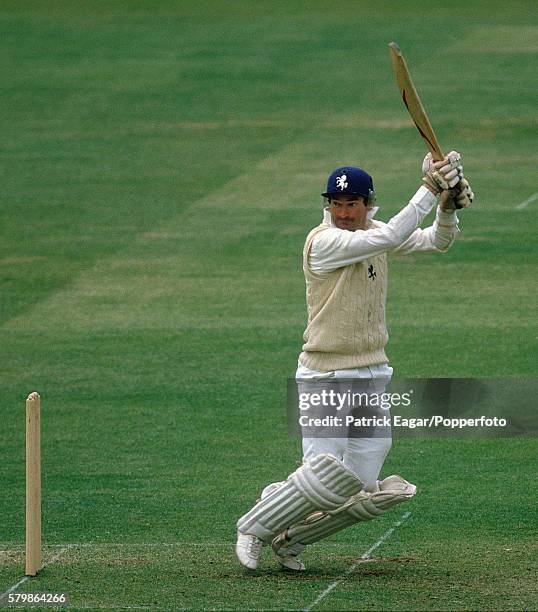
x=345, y=268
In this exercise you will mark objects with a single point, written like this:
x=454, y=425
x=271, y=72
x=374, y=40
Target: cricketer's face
x=349, y=212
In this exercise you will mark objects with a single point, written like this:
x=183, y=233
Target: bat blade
x=412, y=101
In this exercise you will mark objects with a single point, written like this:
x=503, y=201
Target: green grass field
x=161, y=167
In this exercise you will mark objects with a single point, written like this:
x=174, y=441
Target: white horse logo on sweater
x=341, y=182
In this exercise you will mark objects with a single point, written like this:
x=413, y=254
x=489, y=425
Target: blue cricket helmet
x=348, y=180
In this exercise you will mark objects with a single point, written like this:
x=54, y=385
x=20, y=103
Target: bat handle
x=437, y=153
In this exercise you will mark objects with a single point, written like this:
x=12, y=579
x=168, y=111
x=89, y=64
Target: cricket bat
x=412, y=101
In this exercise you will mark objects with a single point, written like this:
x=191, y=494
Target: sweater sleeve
x=438, y=237
x=334, y=248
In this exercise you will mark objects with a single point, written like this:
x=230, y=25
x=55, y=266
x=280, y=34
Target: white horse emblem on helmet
x=341, y=182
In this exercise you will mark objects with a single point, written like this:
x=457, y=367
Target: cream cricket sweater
x=346, y=296
x=346, y=314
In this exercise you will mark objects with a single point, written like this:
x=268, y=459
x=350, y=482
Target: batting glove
x=465, y=196
x=443, y=174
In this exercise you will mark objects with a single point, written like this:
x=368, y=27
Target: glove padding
x=465, y=195
x=460, y=197
x=443, y=174
x=447, y=201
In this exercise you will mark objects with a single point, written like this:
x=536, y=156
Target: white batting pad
x=323, y=483
x=361, y=507
x=270, y=488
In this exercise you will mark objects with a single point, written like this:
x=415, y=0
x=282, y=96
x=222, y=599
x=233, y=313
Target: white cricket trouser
x=363, y=455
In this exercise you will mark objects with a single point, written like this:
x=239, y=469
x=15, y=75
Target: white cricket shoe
x=248, y=549
x=288, y=555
